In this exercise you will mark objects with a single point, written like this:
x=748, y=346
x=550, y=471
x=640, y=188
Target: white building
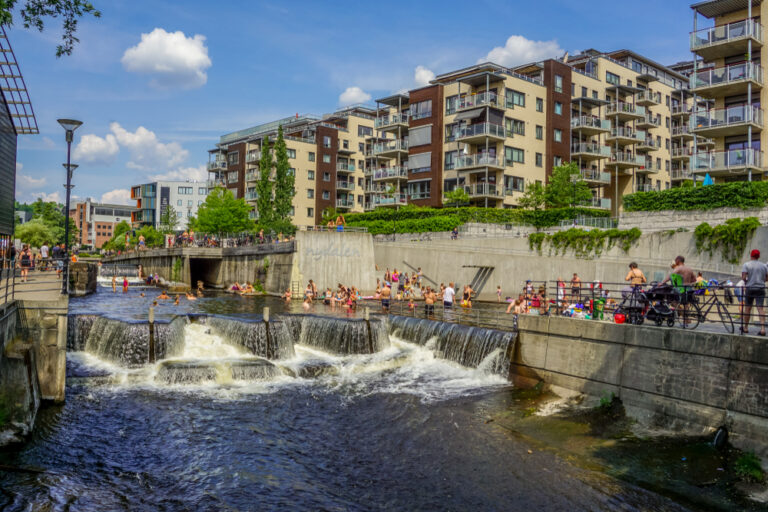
x=152, y=198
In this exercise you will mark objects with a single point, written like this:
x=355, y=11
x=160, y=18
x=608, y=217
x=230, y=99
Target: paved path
x=40, y=286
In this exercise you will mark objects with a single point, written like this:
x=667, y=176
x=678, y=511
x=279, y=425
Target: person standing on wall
x=754, y=273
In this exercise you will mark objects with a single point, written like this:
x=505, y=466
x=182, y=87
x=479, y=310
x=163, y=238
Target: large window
x=451, y=131
x=421, y=109
x=450, y=104
x=558, y=83
x=419, y=189
x=515, y=126
x=515, y=98
x=420, y=136
x=450, y=159
x=364, y=131
x=513, y=155
x=202, y=191
x=187, y=191
x=514, y=183
x=326, y=159
x=612, y=78
x=233, y=158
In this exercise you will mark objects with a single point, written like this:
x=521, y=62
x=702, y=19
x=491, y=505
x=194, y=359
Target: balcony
x=484, y=190
x=728, y=81
x=252, y=157
x=588, y=125
x=649, y=122
x=387, y=200
x=625, y=111
x=391, y=148
x=725, y=40
x=479, y=132
x=251, y=196
x=649, y=167
x=681, y=110
x=345, y=168
x=648, y=98
x=681, y=174
x=625, y=161
x=705, y=142
x=217, y=165
x=594, y=177
x=345, y=185
x=392, y=123
x=252, y=176
x=599, y=202
x=681, y=153
x=589, y=151
x=216, y=183
x=683, y=131
x=483, y=99
x=345, y=203
x=725, y=163
x=649, y=144
x=466, y=162
x=395, y=173
x=625, y=136
x=728, y=121
x=644, y=187
x=345, y=150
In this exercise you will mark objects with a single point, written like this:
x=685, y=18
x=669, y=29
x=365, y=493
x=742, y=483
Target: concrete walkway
x=40, y=286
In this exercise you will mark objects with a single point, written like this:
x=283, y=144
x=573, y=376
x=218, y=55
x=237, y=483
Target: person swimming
x=163, y=296
x=190, y=296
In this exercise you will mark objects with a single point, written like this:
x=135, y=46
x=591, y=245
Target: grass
x=748, y=468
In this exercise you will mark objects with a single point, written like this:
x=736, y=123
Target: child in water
x=125, y=284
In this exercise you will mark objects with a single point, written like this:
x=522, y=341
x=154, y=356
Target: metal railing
x=724, y=33
x=736, y=159
x=590, y=122
x=728, y=74
x=480, y=129
x=729, y=116
x=389, y=173
x=469, y=161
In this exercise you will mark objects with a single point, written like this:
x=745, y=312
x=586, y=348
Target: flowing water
x=310, y=413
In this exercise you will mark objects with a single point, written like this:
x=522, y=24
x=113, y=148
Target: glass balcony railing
x=469, y=161
x=475, y=130
x=251, y=176
x=386, y=147
x=726, y=160
x=648, y=96
x=392, y=120
x=481, y=100
x=590, y=122
x=628, y=158
x=390, y=173
x=627, y=133
x=591, y=149
x=650, y=166
x=341, y=167
x=345, y=185
x=644, y=187
x=389, y=200
x=682, y=152
x=725, y=33
x=345, y=203
x=624, y=108
x=217, y=164
x=681, y=174
x=598, y=202
x=681, y=109
x=252, y=156
x=726, y=75
x=707, y=119
x=595, y=175
x=484, y=190
x=654, y=122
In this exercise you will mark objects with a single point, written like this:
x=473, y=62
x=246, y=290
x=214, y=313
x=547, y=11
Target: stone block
x=750, y=349
x=531, y=349
x=585, y=359
x=748, y=390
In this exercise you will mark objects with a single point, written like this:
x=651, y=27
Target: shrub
x=584, y=244
x=747, y=467
x=731, y=238
x=743, y=195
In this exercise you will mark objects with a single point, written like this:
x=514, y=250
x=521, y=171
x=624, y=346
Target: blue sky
x=157, y=82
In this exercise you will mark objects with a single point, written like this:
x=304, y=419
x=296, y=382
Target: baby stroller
x=661, y=298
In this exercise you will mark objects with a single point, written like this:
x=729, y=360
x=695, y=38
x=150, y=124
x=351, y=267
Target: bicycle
x=702, y=311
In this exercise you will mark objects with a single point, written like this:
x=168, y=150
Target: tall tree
x=264, y=185
x=284, y=180
x=35, y=233
x=222, y=213
x=169, y=219
x=533, y=197
x=565, y=187
x=52, y=215
x=33, y=13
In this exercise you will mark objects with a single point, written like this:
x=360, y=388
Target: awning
x=469, y=114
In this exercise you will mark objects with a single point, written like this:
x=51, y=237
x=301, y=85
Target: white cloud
x=117, y=196
x=520, y=50
x=171, y=58
x=47, y=198
x=48, y=143
x=148, y=153
x=24, y=182
x=199, y=173
x=93, y=149
x=422, y=76
x=352, y=95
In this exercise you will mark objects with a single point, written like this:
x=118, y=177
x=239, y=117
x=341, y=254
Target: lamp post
x=69, y=125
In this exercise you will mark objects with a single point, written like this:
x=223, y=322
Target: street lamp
x=69, y=125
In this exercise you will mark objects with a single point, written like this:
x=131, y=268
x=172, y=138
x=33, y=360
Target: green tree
x=222, y=213
x=264, y=186
x=117, y=242
x=152, y=237
x=284, y=180
x=456, y=197
x=329, y=214
x=168, y=220
x=33, y=13
x=565, y=187
x=51, y=214
x=533, y=197
x=35, y=233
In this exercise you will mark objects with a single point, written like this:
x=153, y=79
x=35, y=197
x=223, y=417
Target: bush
x=731, y=238
x=584, y=244
x=748, y=468
x=736, y=195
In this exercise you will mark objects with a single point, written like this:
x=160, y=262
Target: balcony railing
x=721, y=76
x=392, y=120
x=682, y=152
x=386, y=147
x=727, y=117
x=628, y=158
x=393, y=200
x=627, y=133
x=734, y=159
x=481, y=100
x=648, y=96
x=345, y=203
x=216, y=183
x=484, y=190
x=469, y=161
x=648, y=120
x=475, y=130
x=340, y=167
x=345, y=185
x=590, y=122
x=592, y=149
x=681, y=109
x=650, y=166
x=389, y=173
x=725, y=33
x=252, y=156
x=644, y=187
x=682, y=130
x=595, y=175
x=217, y=164
x=251, y=196
x=598, y=202
x=624, y=108
x=681, y=174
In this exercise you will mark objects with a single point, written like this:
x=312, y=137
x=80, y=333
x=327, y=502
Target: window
x=421, y=109
x=450, y=104
x=360, y=182
x=594, y=95
x=291, y=152
x=558, y=135
x=513, y=155
x=326, y=159
x=202, y=191
x=233, y=158
x=558, y=108
x=539, y=105
x=311, y=212
x=558, y=161
x=421, y=162
x=573, y=89
x=311, y=156
x=515, y=98
x=326, y=176
x=419, y=189
x=291, y=171
x=514, y=183
x=539, y=159
x=364, y=131
x=326, y=195
x=232, y=177
x=558, y=83
x=326, y=141
x=188, y=190
x=450, y=159
x=583, y=92
x=179, y=202
x=612, y=78
x=310, y=193
x=189, y=203
x=178, y=215
x=451, y=131
x=199, y=203
x=539, y=132
x=361, y=147
x=345, y=144
x=514, y=126
x=360, y=200
x=310, y=175
x=420, y=136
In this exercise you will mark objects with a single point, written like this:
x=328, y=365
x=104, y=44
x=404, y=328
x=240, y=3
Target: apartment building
x=152, y=199
x=96, y=221
x=728, y=94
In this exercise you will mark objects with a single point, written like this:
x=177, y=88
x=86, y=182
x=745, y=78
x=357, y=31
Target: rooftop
x=714, y=8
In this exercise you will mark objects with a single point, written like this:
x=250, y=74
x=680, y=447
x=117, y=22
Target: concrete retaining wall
x=332, y=258
x=666, y=378
x=676, y=219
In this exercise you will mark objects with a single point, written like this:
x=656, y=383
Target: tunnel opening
x=205, y=270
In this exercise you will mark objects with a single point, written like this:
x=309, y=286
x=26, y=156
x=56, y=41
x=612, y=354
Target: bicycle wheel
x=725, y=317
x=688, y=315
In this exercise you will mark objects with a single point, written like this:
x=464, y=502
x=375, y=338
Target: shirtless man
x=386, y=292
x=163, y=296
x=429, y=301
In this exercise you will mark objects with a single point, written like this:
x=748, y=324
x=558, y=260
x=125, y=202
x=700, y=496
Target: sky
x=157, y=82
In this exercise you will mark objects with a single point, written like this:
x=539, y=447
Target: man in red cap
x=754, y=273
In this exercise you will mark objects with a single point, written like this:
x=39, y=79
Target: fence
x=475, y=317
x=7, y=271
x=590, y=222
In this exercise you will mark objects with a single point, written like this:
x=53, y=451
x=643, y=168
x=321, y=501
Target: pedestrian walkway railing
x=344, y=229
x=475, y=317
x=590, y=222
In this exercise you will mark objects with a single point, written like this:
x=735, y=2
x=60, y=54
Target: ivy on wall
x=584, y=243
x=730, y=238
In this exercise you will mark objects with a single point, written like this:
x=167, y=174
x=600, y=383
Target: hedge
x=736, y=195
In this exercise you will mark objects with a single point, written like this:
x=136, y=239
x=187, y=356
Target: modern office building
x=96, y=221
x=152, y=199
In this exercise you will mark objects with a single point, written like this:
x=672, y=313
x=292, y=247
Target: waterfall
x=252, y=336
x=110, y=270
x=475, y=347
x=222, y=371
x=78, y=328
x=340, y=335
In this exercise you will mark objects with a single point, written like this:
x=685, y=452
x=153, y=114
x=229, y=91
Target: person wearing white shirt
x=448, y=296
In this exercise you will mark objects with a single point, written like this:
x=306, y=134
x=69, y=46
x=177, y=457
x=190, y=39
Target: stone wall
x=676, y=219
x=329, y=258
x=666, y=378
x=44, y=325
x=83, y=278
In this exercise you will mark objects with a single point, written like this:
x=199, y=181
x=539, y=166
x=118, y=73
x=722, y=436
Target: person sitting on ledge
x=248, y=289
x=163, y=296
x=236, y=287
x=287, y=295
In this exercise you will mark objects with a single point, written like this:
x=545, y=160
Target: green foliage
x=264, y=186
x=35, y=233
x=534, y=196
x=456, y=197
x=51, y=215
x=731, y=238
x=117, y=242
x=168, y=220
x=284, y=180
x=329, y=214
x=222, y=213
x=748, y=468
x=266, y=265
x=606, y=401
x=584, y=243
x=176, y=270
x=565, y=187
x=258, y=287
x=743, y=195
x=33, y=12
